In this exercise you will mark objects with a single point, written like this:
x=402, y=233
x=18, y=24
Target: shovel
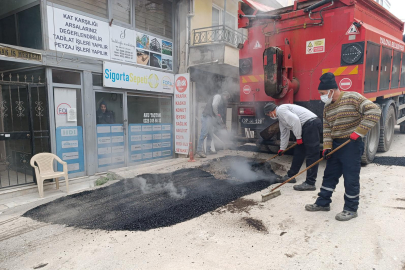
x=272, y=193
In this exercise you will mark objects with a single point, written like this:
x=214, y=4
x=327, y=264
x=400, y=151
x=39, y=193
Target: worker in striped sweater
x=347, y=115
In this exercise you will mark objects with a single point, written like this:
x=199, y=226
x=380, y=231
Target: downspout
x=190, y=14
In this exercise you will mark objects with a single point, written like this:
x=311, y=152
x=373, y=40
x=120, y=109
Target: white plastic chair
x=44, y=170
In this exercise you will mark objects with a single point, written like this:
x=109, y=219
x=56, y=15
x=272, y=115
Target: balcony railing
x=217, y=34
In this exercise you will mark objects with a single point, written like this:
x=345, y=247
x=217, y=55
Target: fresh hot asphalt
x=390, y=161
x=124, y=206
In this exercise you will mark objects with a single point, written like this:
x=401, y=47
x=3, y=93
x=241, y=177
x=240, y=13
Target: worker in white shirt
x=307, y=128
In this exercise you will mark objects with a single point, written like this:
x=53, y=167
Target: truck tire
x=387, y=133
x=371, y=141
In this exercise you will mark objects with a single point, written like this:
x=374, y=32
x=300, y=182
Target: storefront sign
x=122, y=44
x=110, y=145
x=10, y=52
x=131, y=77
x=77, y=34
x=182, y=113
x=149, y=141
x=69, y=147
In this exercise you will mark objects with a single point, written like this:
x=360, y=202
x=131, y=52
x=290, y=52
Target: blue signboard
x=69, y=147
x=149, y=141
x=110, y=145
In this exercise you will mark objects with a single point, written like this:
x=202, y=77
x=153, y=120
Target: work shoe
x=285, y=178
x=210, y=152
x=346, y=215
x=200, y=154
x=304, y=187
x=314, y=207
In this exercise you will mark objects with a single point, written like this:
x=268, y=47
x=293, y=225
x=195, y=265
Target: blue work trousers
x=207, y=129
x=346, y=162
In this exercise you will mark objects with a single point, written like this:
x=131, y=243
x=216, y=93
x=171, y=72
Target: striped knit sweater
x=350, y=113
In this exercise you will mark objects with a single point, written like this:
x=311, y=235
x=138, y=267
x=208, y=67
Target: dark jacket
x=210, y=108
x=105, y=118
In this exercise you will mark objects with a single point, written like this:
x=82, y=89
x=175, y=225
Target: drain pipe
x=190, y=14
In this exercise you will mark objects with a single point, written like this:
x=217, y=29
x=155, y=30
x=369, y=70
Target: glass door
x=69, y=129
x=110, y=130
x=150, y=128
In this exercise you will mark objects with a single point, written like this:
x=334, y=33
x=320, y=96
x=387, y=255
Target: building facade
x=91, y=81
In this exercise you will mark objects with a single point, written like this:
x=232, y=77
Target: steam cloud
x=166, y=187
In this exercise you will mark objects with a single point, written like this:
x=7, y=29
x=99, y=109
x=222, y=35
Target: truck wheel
x=371, y=141
x=387, y=133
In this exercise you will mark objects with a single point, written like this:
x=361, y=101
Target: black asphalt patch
x=147, y=202
x=390, y=161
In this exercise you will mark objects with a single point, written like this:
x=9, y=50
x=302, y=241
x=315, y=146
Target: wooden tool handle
x=291, y=147
x=312, y=165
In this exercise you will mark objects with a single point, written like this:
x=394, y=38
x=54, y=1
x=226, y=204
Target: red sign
x=246, y=89
x=345, y=84
x=62, y=108
x=181, y=84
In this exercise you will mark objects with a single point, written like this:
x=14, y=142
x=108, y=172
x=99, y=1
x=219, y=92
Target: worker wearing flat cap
x=307, y=128
x=347, y=115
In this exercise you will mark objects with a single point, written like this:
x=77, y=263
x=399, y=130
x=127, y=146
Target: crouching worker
x=307, y=128
x=347, y=115
x=211, y=116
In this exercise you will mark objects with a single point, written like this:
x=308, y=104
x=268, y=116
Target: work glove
x=354, y=136
x=299, y=141
x=325, y=153
x=280, y=152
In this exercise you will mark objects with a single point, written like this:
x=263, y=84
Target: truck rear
x=288, y=49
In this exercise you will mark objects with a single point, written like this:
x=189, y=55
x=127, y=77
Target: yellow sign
x=11, y=52
x=153, y=80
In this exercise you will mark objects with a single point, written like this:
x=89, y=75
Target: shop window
x=396, y=70
x=122, y=10
x=21, y=26
x=109, y=108
x=150, y=130
x=66, y=77
x=97, y=79
x=110, y=130
x=95, y=7
x=154, y=16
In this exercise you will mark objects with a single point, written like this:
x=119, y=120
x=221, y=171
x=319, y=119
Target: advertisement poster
x=65, y=100
x=142, y=57
x=167, y=47
x=69, y=147
x=149, y=141
x=122, y=47
x=182, y=113
x=110, y=145
x=131, y=77
x=77, y=34
x=142, y=41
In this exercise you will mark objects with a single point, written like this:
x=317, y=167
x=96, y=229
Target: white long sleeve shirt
x=215, y=103
x=291, y=117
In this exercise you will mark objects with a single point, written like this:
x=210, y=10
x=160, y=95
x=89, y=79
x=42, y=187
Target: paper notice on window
x=72, y=115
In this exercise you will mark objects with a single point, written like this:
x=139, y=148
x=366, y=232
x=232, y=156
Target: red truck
x=288, y=49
